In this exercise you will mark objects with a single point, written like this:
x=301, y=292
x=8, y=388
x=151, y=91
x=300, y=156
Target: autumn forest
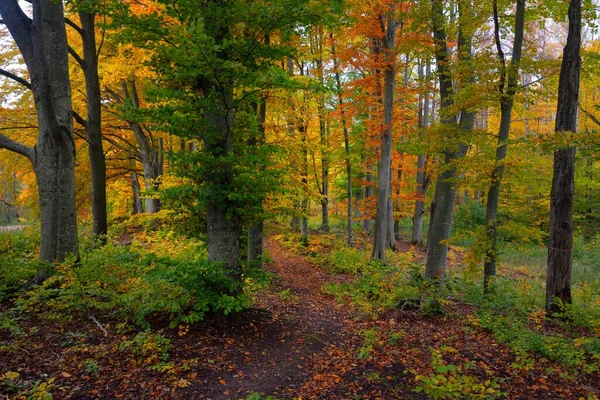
x=299, y=199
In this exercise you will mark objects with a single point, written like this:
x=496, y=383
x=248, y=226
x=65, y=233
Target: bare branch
x=74, y=26
x=15, y=78
x=14, y=146
x=590, y=115
x=77, y=58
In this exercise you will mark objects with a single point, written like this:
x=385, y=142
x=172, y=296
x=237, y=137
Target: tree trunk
x=43, y=44
x=323, y=131
x=506, y=104
x=419, y=212
x=255, y=231
x=137, y=200
x=93, y=125
x=149, y=154
x=304, y=173
x=560, y=245
x=440, y=225
x=383, y=201
x=347, y=159
x=368, y=193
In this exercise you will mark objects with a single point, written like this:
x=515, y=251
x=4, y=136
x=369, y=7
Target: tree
x=560, y=244
x=442, y=212
x=212, y=63
x=389, y=26
x=42, y=41
x=93, y=122
x=507, y=87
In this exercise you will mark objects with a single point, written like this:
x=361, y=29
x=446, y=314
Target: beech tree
x=93, y=123
x=507, y=87
x=389, y=24
x=42, y=41
x=440, y=224
x=560, y=244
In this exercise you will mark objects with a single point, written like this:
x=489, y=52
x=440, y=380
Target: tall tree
x=422, y=179
x=507, y=87
x=389, y=26
x=93, y=122
x=42, y=41
x=442, y=211
x=560, y=244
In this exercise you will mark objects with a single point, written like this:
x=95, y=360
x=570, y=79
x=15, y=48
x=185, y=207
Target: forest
x=299, y=199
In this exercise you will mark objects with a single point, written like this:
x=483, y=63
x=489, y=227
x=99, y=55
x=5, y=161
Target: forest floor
x=296, y=342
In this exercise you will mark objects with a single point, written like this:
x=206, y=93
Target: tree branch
x=14, y=146
x=74, y=26
x=78, y=58
x=15, y=78
x=590, y=115
x=79, y=119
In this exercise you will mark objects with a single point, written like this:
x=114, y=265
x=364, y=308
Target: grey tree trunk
x=560, y=245
x=149, y=151
x=323, y=130
x=348, y=161
x=224, y=227
x=445, y=191
x=383, y=201
x=93, y=126
x=43, y=44
x=508, y=85
x=304, y=179
x=422, y=182
x=137, y=207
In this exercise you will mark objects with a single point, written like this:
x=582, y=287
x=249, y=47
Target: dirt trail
x=301, y=321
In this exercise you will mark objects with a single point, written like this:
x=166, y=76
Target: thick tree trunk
x=383, y=201
x=43, y=44
x=506, y=104
x=94, y=123
x=560, y=245
x=445, y=191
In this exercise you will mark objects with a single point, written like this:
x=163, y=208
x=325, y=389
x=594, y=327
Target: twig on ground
x=98, y=324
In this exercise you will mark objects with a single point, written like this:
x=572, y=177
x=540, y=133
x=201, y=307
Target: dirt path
x=275, y=359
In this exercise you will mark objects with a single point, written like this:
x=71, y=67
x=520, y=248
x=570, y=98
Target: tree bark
x=148, y=152
x=383, y=201
x=445, y=191
x=419, y=212
x=560, y=245
x=347, y=159
x=43, y=44
x=508, y=86
x=93, y=125
x=137, y=207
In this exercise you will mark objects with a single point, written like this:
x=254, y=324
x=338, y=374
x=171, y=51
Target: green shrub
x=347, y=261
x=134, y=282
x=18, y=260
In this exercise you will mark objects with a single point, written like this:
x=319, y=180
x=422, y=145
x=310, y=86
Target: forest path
x=300, y=323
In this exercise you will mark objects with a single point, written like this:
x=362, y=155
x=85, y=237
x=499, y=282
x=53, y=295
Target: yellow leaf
x=11, y=375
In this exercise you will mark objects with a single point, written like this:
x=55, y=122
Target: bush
x=133, y=282
x=18, y=261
